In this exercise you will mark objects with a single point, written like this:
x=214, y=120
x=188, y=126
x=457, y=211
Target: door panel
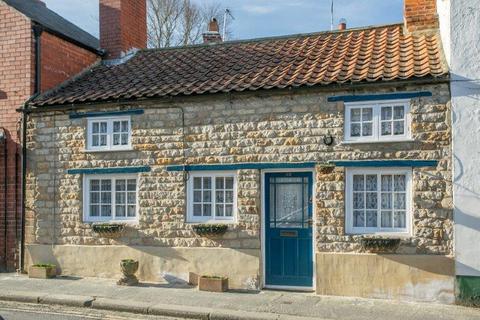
x=288, y=229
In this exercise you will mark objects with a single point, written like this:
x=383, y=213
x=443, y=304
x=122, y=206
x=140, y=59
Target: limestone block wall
x=263, y=127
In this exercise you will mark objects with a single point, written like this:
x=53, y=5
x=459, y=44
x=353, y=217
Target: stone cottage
x=327, y=156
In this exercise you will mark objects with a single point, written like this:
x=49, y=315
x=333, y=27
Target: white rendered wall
x=461, y=37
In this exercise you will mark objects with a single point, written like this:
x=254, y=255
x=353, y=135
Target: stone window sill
x=376, y=141
x=108, y=151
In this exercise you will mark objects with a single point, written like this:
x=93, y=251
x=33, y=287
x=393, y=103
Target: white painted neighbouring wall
x=460, y=31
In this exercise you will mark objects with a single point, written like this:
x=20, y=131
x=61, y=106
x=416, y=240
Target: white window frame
x=112, y=177
x=350, y=172
x=109, y=146
x=211, y=219
x=376, y=129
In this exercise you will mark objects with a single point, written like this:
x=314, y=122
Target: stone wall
x=263, y=127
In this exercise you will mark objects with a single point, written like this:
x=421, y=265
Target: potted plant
x=129, y=267
x=108, y=230
x=42, y=271
x=210, y=230
x=380, y=244
x=213, y=283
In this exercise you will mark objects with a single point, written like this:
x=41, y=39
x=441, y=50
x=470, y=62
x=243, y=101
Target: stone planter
x=380, y=245
x=210, y=230
x=129, y=268
x=108, y=230
x=213, y=284
x=42, y=271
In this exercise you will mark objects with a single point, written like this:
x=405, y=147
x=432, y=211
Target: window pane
x=386, y=219
x=386, y=201
x=400, y=219
x=229, y=196
x=197, y=183
x=95, y=140
x=358, y=200
x=386, y=113
x=207, y=183
x=94, y=197
x=131, y=198
x=106, y=211
x=371, y=200
x=398, y=128
x=219, y=210
x=95, y=185
x=358, y=182
x=120, y=198
x=228, y=210
x=95, y=127
x=219, y=183
x=106, y=185
x=219, y=197
x=132, y=185
x=116, y=139
x=399, y=183
x=400, y=201
x=116, y=126
x=103, y=127
x=197, y=210
x=94, y=210
x=355, y=114
x=386, y=183
x=367, y=129
x=355, y=130
x=124, y=139
x=398, y=112
x=103, y=140
x=124, y=126
x=386, y=128
x=207, y=196
x=120, y=211
x=197, y=196
x=358, y=219
x=371, y=182
x=229, y=183
x=207, y=209
x=371, y=219
x=367, y=114
x=120, y=185
x=106, y=197
x=131, y=211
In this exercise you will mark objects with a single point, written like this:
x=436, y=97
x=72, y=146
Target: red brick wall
x=420, y=15
x=123, y=26
x=62, y=60
x=16, y=85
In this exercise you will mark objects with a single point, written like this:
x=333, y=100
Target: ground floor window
x=378, y=200
x=211, y=197
x=110, y=197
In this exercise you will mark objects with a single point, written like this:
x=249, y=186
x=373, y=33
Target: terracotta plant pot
x=42, y=271
x=213, y=284
x=129, y=267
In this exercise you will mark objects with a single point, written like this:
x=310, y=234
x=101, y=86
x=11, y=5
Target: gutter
x=37, y=32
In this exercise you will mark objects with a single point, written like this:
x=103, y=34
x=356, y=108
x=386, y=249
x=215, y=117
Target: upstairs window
x=371, y=122
x=106, y=134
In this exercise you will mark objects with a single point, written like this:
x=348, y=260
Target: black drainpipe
x=5, y=183
x=37, y=32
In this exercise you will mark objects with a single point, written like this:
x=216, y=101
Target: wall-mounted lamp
x=328, y=140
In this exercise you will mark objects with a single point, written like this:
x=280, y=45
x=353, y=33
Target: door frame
x=262, y=236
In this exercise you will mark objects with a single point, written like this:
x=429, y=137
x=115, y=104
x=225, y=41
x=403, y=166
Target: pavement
x=183, y=301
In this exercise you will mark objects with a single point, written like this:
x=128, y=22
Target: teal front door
x=288, y=229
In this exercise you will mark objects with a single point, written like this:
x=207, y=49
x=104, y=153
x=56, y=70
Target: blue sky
x=262, y=18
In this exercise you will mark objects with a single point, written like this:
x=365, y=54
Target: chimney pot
x=123, y=26
x=342, y=24
x=213, y=34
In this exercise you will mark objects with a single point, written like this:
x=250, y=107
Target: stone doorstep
x=180, y=311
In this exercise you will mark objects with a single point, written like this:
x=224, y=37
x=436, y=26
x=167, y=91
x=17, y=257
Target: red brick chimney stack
x=213, y=33
x=420, y=15
x=123, y=26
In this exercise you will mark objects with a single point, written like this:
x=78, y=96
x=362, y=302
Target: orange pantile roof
x=370, y=54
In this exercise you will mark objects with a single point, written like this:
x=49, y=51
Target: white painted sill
x=107, y=150
x=227, y=222
x=129, y=222
x=346, y=142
